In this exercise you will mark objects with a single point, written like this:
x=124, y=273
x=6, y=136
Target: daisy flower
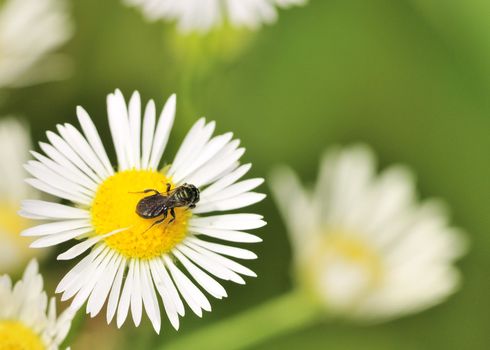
x=14, y=147
x=204, y=15
x=132, y=258
x=363, y=246
x=26, y=319
x=30, y=30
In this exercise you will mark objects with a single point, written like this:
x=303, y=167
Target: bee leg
x=172, y=212
x=192, y=206
x=147, y=191
x=168, y=188
x=157, y=222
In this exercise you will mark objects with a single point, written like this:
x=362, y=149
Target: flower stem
x=77, y=324
x=273, y=318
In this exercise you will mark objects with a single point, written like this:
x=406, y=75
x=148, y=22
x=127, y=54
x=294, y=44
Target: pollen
x=114, y=207
x=16, y=336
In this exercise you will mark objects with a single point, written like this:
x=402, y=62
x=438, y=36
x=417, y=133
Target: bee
x=159, y=204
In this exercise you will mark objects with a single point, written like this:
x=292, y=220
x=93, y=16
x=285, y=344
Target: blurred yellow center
x=15, y=336
x=342, y=268
x=10, y=221
x=114, y=207
x=353, y=250
x=11, y=224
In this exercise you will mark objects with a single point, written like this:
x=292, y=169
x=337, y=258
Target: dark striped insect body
x=161, y=204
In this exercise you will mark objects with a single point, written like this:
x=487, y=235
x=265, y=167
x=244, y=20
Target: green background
x=410, y=78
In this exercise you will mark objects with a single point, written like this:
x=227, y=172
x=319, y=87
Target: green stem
x=77, y=324
x=273, y=318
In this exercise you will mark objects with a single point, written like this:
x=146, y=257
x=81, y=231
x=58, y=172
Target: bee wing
x=152, y=206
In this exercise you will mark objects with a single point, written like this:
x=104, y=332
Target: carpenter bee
x=158, y=204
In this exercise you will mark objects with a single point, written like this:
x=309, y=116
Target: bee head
x=190, y=193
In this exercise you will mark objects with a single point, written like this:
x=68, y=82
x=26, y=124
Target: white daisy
x=14, y=148
x=30, y=30
x=129, y=257
x=203, y=15
x=26, y=319
x=363, y=245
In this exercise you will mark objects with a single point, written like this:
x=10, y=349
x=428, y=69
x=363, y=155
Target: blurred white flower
x=29, y=31
x=14, y=151
x=203, y=15
x=132, y=253
x=26, y=319
x=363, y=246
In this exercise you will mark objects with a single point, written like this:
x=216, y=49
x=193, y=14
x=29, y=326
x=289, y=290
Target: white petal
x=208, y=283
x=80, y=145
x=88, y=286
x=162, y=132
x=240, y=201
x=224, y=249
x=93, y=138
x=191, y=294
x=225, y=181
x=115, y=290
x=229, y=221
x=231, y=191
x=185, y=147
x=134, y=111
x=103, y=286
x=136, y=301
x=230, y=264
x=55, y=227
x=60, y=159
x=84, y=276
x=150, y=301
x=148, y=133
x=118, y=123
x=68, y=173
x=227, y=235
x=53, y=210
x=169, y=295
x=48, y=176
x=221, y=165
x=192, y=149
x=81, y=247
x=57, y=238
x=211, y=265
x=204, y=155
x=124, y=301
x=42, y=186
x=289, y=195
x=64, y=148
x=73, y=274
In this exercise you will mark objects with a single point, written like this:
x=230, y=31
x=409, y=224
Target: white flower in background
x=363, y=246
x=129, y=255
x=30, y=30
x=203, y=15
x=14, y=149
x=26, y=319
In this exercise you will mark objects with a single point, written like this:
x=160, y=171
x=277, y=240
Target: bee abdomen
x=149, y=210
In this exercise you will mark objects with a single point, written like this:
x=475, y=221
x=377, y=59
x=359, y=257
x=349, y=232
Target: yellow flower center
x=15, y=336
x=114, y=207
x=16, y=248
x=341, y=268
x=10, y=221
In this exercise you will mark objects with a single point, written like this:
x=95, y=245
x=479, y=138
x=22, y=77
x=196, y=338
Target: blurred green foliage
x=410, y=78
